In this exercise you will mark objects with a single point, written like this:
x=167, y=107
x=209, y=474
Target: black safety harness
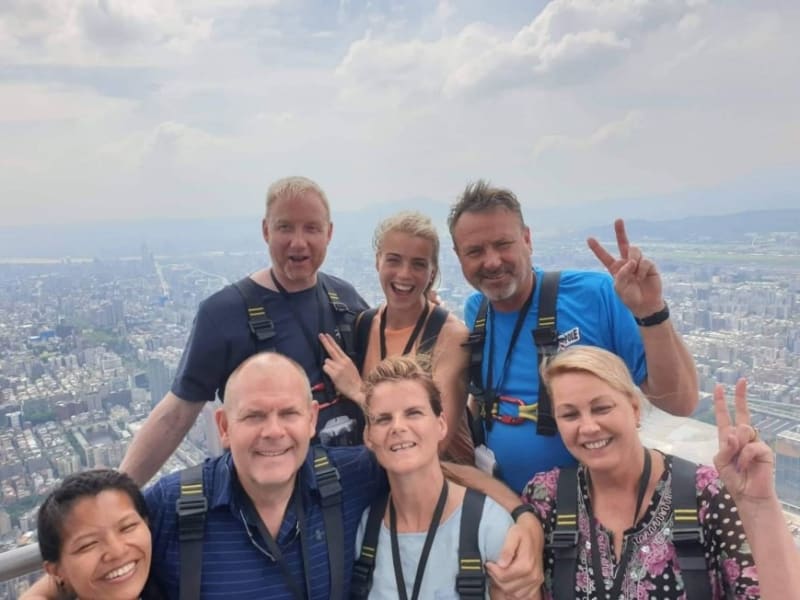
x=192, y=507
x=262, y=327
x=471, y=578
x=687, y=534
x=545, y=338
x=430, y=334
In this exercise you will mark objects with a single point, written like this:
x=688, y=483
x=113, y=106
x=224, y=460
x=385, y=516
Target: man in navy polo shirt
x=293, y=301
x=255, y=544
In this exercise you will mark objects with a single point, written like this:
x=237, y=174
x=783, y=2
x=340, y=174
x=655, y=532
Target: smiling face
x=494, y=249
x=596, y=422
x=106, y=551
x=267, y=421
x=403, y=431
x=297, y=229
x=405, y=265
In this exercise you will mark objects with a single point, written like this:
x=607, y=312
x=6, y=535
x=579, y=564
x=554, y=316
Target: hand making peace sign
x=636, y=279
x=744, y=462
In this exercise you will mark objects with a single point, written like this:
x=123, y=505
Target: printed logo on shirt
x=566, y=339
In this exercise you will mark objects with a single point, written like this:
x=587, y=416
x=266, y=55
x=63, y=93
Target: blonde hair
x=294, y=186
x=606, y=366
x=402, y=368
x=411, y=223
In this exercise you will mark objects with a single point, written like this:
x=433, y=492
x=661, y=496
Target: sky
x=119, y=109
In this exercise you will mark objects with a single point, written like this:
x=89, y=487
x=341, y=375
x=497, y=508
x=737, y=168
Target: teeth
x=402, y=446
x=123, y=570
x=271, y=453
x=402, y=288
x=596, y=445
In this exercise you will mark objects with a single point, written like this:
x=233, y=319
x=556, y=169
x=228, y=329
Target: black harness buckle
x=191, y=517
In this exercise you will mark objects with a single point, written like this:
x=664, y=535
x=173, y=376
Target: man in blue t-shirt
x=625, y=313
x=295, y=296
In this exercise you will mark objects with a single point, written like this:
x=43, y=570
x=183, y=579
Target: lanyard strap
x=275, y=552
x=414, y=334
x=311, y=339
x=523, y=313
x=619, y=576
x=426, y=547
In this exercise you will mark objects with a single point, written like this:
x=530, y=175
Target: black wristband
x=520, y=510
x=655, y=318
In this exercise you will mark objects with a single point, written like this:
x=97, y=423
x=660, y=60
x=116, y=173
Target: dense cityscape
x=88, y=346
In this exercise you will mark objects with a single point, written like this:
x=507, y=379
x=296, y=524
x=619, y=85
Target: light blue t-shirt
x=588, y=312
x=439, y=581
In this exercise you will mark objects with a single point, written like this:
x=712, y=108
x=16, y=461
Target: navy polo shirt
x=234, y=564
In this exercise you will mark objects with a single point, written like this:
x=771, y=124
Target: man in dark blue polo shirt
x=264, y=533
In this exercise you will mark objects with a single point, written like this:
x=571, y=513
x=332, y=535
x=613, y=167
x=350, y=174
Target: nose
x=271, y=427
x=588, y=425
x=298, y=239
x=115, y=546
x=492, y=260
x=398, y=424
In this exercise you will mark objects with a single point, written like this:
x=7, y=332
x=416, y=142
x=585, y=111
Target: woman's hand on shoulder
x=744, y=462
x=340, y=368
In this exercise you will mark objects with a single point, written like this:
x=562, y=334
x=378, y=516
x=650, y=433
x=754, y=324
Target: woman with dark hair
x=94, y=540
x=625, y=502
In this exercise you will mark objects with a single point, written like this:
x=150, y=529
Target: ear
x=442, y=426
x=221, y=418
x=265, y=230
x=53, y=571
x=314, y=418
x=367, y=439
x=330, y=231
x=526, y=236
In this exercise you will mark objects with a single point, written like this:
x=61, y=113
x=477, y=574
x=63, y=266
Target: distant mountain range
x=354, y=229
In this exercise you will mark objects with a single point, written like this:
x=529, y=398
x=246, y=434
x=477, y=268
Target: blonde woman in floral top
x=749, y=551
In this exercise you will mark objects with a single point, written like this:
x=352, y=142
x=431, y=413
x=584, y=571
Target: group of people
x=543, y=387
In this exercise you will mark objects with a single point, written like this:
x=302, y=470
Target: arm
x=745, y=467
x=450, y=362
x=518, y=573
x=162, y=432
x=671, y=381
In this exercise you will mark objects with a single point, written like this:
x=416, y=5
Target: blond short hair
x=411, y=223
x=294, y=186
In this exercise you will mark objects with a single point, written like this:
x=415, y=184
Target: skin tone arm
x=45, y=589
x=518, y=573
x=745, y=466
x=450, y=362
x=671, y=382
x=162, y=432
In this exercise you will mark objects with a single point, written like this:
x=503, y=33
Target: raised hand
x=340, y=369
x=636, y=279
x=744, y=462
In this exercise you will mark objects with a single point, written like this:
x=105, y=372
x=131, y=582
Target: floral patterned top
x=653, y=572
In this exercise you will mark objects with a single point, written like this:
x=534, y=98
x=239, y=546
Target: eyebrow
x=592, y=401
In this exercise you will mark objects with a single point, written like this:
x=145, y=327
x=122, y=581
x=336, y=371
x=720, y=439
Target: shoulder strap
x=342, y=313
x=364, y=566
x=430, y=334
x=485, y=400
x=545, y=336
x=563, y=540
x=191, y=508
x=687, y=533
x=363, y=325
x=471, y=578
x=330, y=493
x=261, y=326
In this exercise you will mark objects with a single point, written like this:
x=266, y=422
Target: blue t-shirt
x=589, y=312
x=221, y=340
x=234, y=567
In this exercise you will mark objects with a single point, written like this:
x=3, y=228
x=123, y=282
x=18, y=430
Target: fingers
x=740, y=401
x=622, y=238
x=728, y=448
x=601, y=253
x=330, y=345
x=721, y=412
x=755, y=452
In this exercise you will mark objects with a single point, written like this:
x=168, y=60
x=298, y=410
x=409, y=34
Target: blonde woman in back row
x=407, y=260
